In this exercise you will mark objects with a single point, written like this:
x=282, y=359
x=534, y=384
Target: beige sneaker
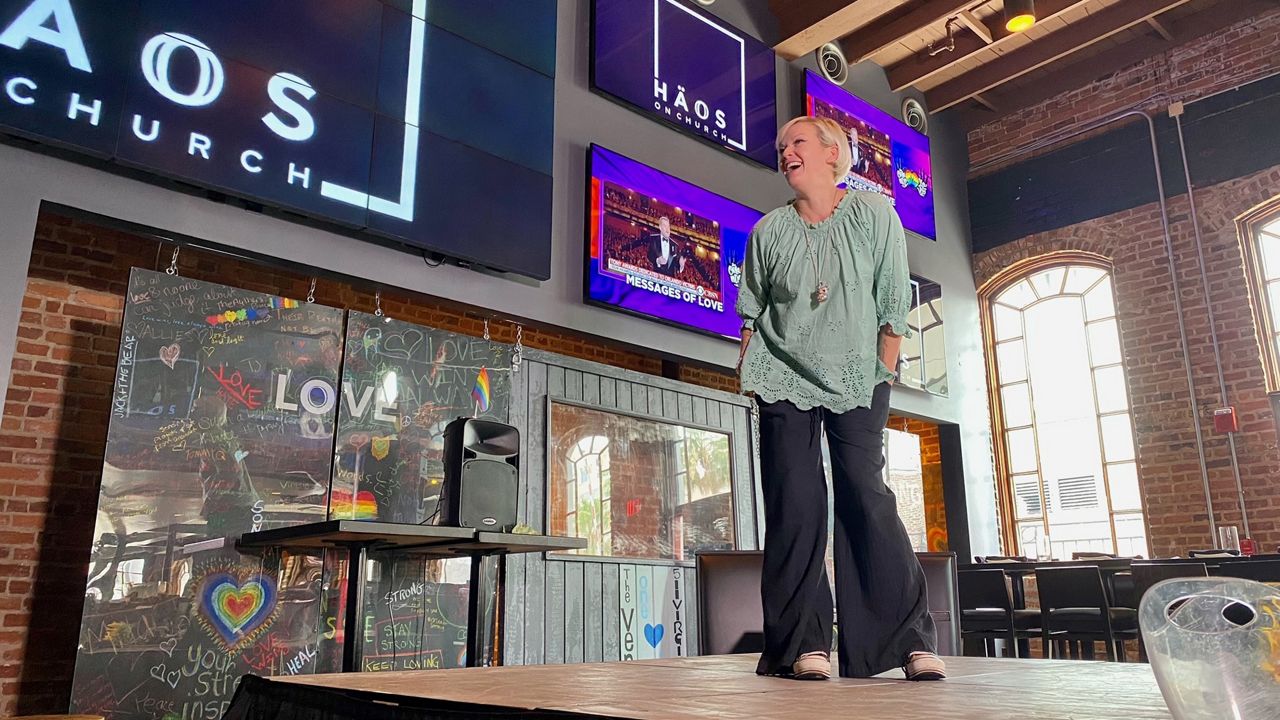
x=924, y=666
x=814, y=665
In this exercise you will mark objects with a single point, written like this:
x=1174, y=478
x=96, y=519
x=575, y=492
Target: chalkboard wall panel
x=230, y=415
x=402, y=384
x=208, y=438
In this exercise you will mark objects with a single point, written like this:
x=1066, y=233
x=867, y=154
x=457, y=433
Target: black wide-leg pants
x=880, y=587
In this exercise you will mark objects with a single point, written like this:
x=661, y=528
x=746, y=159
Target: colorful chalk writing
x=197, y=453
x=401, y=384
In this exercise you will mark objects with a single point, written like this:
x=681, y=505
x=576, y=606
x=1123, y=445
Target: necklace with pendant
x=823, y=291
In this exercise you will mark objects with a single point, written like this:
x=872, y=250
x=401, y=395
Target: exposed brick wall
x=53, y=431
x=935, y=503
x=930, y=451
x=1167, y=461
x=1238, y=54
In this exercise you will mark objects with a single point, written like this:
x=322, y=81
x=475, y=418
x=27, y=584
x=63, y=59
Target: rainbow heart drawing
x=235, y=608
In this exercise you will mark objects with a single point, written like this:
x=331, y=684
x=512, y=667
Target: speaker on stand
x=481, y=467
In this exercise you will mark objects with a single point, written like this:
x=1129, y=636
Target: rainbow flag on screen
x=480, y=393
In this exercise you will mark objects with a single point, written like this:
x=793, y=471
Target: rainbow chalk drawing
x=365, y=506
x=235, y=607
x=251, y=314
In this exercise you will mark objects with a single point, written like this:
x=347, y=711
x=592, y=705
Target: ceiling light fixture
x=1019, y=14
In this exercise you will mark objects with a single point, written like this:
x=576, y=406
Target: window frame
x=1006, y=496
x=548, y=447
x=1249, y=228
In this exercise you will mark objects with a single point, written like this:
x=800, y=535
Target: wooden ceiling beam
x=978, y=27
x=922, y=67
x=805, y=25
x=895, y=26
x=1097, y=27
x=1160, y=28
x=1081, y=73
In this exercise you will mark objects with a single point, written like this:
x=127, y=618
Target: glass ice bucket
x=1214, y=644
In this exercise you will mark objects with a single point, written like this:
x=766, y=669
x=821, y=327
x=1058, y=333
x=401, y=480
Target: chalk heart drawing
x=169, y=354
x=653, y=634
x=235, y=607
x=168, y=645
x=166, y=676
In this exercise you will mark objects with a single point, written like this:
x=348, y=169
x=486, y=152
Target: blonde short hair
x=830, y=134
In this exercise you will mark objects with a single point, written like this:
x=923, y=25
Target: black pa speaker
x=481, y=462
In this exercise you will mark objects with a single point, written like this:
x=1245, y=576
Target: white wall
x=27, y=179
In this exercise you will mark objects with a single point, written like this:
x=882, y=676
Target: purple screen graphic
x=688, y=69
x=663, y=248
x=891, y=158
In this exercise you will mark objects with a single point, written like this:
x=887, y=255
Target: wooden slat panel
x=591, y=388
x=534, y=439
x=608, y=392
x=574, y=622
x=691, y=603
x=669, y=408
x=623, y=399
x=555, y=381
x=699, y=410
x=653, y=402
x=684, y=408
x=713, y=413
x=554, y=640
x=743, y=490
x=514, y=618
x=630, y=627
x=609, y=606
x=573, y=384
x=593, y=609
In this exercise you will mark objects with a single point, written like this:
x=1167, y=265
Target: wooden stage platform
x=722, y=686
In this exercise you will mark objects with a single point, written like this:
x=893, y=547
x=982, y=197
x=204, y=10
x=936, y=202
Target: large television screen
x=687, y=68
x=890, y=158
x=663, y=248
x=387, y=118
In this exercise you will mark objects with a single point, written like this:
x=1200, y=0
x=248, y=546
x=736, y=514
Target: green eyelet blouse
x=823, y=353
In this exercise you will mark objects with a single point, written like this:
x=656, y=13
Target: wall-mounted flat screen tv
x=681, y=65
x=662, y=248
x=889, y=158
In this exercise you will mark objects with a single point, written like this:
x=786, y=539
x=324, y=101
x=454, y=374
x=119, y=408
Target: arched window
x=1063, y=432
x=1260, y=243
x=589, y=508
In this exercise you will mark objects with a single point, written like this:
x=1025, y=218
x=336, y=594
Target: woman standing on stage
x=824, y=301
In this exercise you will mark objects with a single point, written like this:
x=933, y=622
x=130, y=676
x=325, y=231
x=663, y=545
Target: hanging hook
x=173, y=264
x=486, y=328
x=311, y=294
x=517, y=353
x=377, y=303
